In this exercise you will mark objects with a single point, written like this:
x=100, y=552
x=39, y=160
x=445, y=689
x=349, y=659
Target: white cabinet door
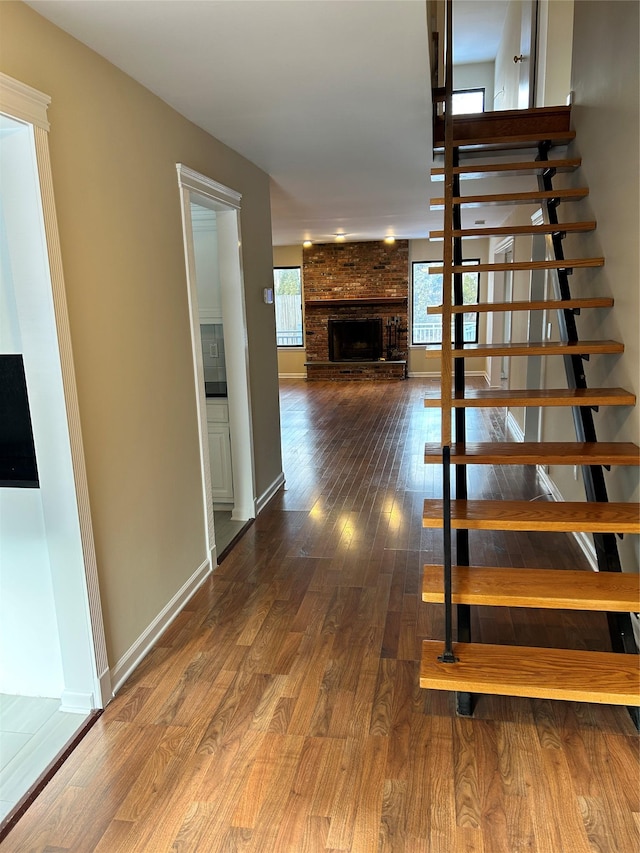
x=220, y=461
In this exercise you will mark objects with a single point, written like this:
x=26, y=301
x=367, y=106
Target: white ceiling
x=330, y=97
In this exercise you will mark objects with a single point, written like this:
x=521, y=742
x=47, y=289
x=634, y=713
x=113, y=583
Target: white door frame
x=87, y=681
x=496, y=324
x=204, y=191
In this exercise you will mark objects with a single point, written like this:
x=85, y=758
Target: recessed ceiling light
x=390, y=240
x=340, y=238
x=307, y=243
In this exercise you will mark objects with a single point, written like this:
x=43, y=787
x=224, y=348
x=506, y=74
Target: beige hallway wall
x=114, y=148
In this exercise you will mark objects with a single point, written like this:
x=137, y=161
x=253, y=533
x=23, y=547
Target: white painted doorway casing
x=41, y=311
x=198, y=189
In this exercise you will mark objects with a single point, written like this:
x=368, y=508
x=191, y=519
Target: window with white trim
x=426, y=291
x=287, y=289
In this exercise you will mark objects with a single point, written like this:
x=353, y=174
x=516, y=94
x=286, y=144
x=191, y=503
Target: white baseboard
x=292, y=375
x=513, y=428
x=266, y=496
x=73, y=702
x=105, y=688
x=142, y=646
x=583, y=540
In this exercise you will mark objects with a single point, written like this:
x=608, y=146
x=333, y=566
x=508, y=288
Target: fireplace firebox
x=355, y=340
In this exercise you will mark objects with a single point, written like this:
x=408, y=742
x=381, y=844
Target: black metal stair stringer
x=606, y=546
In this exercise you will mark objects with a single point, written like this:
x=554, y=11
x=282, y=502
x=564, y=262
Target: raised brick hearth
x=356, y=281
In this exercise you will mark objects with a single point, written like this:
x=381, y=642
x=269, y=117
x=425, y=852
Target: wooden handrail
x=447, y=256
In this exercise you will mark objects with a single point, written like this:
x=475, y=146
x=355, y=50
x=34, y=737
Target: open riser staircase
x=472, y=147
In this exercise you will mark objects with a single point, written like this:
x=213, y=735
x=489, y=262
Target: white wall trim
x=193, y=180
x=27, y=104
x=77, y=703
x=72, y=405
x=292, y=375
x=513, y=428
x=583, y=540
x=266, y=496
x=143, y=645
x=23, y=102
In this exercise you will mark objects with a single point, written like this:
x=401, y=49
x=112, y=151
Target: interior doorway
x=54, y=671
x=218, y=329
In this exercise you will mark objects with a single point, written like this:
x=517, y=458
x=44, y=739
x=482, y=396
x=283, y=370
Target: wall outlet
x=213, y=350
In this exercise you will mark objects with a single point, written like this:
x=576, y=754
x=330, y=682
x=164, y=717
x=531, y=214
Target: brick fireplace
x=356, y=282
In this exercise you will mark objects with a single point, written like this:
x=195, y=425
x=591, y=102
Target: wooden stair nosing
x=498, y=398
x=510, y=169
x=518, y=515
x=529, y=197
x=533, y=305
x=574, y=675
x=516, y=230
x=564, y=264
x=556, y=589
x=529, y=348
x=536, y=453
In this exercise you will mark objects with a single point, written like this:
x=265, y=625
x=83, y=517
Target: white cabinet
x=205, y=253
x=220, y=461
x=220, y=450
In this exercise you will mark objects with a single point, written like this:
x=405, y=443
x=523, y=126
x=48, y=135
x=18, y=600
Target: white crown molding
x=192, y=180
x=23, y=102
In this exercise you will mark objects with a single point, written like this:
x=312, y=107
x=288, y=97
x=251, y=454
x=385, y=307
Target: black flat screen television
x=18, y=466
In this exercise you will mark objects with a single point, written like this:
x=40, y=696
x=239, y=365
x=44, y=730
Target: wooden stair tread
x=558, y=516
x=554, y=589
x=603, y=677
x=515, y=230
x=533, y=305
x=503, y=142
x=531, y=197
x=518, y=168
x=564, y=264
x=537, y=453
x=529, y=348
x=499, y=397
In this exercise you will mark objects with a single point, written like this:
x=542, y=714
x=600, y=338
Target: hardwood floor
x=281, y=710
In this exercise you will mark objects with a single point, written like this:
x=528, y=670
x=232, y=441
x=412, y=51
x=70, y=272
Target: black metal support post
x=447, y=655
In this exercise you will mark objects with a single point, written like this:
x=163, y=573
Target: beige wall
x=114, y=147
x=476, y=75
x=605, y=115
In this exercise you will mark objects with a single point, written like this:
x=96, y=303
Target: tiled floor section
x=32, y=732
x=225, y=529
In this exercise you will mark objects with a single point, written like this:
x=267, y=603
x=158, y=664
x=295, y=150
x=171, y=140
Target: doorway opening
x=211, y=229
x=54, y=672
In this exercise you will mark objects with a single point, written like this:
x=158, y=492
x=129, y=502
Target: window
x=467, y=101
x=287, y=288
x=426, y=290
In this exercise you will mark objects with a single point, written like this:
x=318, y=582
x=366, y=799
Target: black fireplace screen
x=355, y=340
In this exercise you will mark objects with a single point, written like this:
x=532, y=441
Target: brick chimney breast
x=349, y=275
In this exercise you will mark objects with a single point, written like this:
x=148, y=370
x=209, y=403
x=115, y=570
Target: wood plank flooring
x=281, y=711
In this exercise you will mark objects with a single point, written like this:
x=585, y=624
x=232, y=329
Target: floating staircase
x=471, y=147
